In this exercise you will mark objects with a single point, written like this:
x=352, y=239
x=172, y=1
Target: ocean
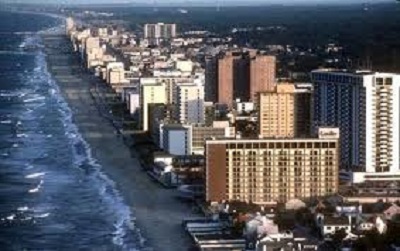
x=53, y=194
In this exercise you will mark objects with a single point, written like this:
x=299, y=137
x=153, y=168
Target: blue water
x=53, y=194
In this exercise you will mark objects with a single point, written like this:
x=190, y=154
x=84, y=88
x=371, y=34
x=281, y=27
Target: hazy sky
x=189, y=2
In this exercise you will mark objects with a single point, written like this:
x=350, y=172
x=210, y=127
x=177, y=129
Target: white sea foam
x=5, y=122
x=22, y=135
x=34, y=99
x=35, y=175
x=26, y=218
x=23, y=209
x=113, y=199
x=49, y=136
x=5, y=154
x=15, y=145
x=37, y=188
x=45, y=215
x=28, y=167
x=11, y=217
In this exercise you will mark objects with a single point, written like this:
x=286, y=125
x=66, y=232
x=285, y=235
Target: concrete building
x=219, y=129
x=211, y=79
x=190, y=104
x=159, y=115
x=133, y=102
x=266, y=171
x=262, y=75
x=115, y=73
x=184, y=65
x=366, y=107
x=70, y=25
x=244, y=107
x=285, y=111
x=196, y=139
x=150, y=94
x=177, y=139
x=159, y=31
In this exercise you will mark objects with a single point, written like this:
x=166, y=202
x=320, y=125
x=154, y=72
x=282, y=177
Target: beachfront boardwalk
x=157, y=211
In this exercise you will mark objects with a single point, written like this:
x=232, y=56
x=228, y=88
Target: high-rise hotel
x=266, y=171
x=366, y=107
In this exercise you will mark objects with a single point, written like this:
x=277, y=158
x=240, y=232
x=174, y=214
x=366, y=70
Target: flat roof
x=223, y=140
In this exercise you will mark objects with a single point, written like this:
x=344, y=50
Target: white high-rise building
x=69, y=25
x=366, y=108
x=159, y=30
x=190, y=104
x=150, y=94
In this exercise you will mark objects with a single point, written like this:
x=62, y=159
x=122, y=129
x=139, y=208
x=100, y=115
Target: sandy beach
x=158, y=213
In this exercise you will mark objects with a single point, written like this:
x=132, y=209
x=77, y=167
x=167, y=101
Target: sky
x=193, y=2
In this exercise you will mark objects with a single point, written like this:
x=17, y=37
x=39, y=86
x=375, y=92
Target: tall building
x=177, y=139
x=262, y=75
x=366, y=108
x=190, y=104
x=285, y=111
x=69, y=25
x=159, y=31
x=150, y=94
x=238, y=74
x=266, y=171
x=211, y=79
x=233, y=78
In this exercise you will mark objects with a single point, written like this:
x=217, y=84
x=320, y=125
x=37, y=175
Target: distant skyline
x=195, y=2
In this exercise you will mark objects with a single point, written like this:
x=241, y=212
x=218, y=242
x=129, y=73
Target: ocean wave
x=37, y=188
x=5, y=122
x=35, y=175
x=10, y=52
x=45, y=215
x=34, y=99
x=21, y=135
x=120, y=219
x=106, y=187
x=11, y=217
x=23, y=209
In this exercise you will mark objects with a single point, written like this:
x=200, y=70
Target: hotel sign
x=328, y=133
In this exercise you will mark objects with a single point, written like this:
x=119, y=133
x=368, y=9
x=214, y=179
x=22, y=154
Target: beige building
x=150, y=94
x=284, y=112
x=266, y=171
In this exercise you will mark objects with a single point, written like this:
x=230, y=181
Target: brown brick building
x=262, y=75
x=266, y=171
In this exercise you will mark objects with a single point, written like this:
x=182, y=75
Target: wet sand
x=158, y=213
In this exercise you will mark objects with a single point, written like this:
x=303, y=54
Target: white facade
x=184, y=65
x=150, y=94
x=133, y=102
x=70, y=25
x=190, y=104
x=244, y=107
x=177, y=139
x=366, y=108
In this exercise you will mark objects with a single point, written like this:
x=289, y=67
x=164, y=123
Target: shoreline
x=156, y=211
